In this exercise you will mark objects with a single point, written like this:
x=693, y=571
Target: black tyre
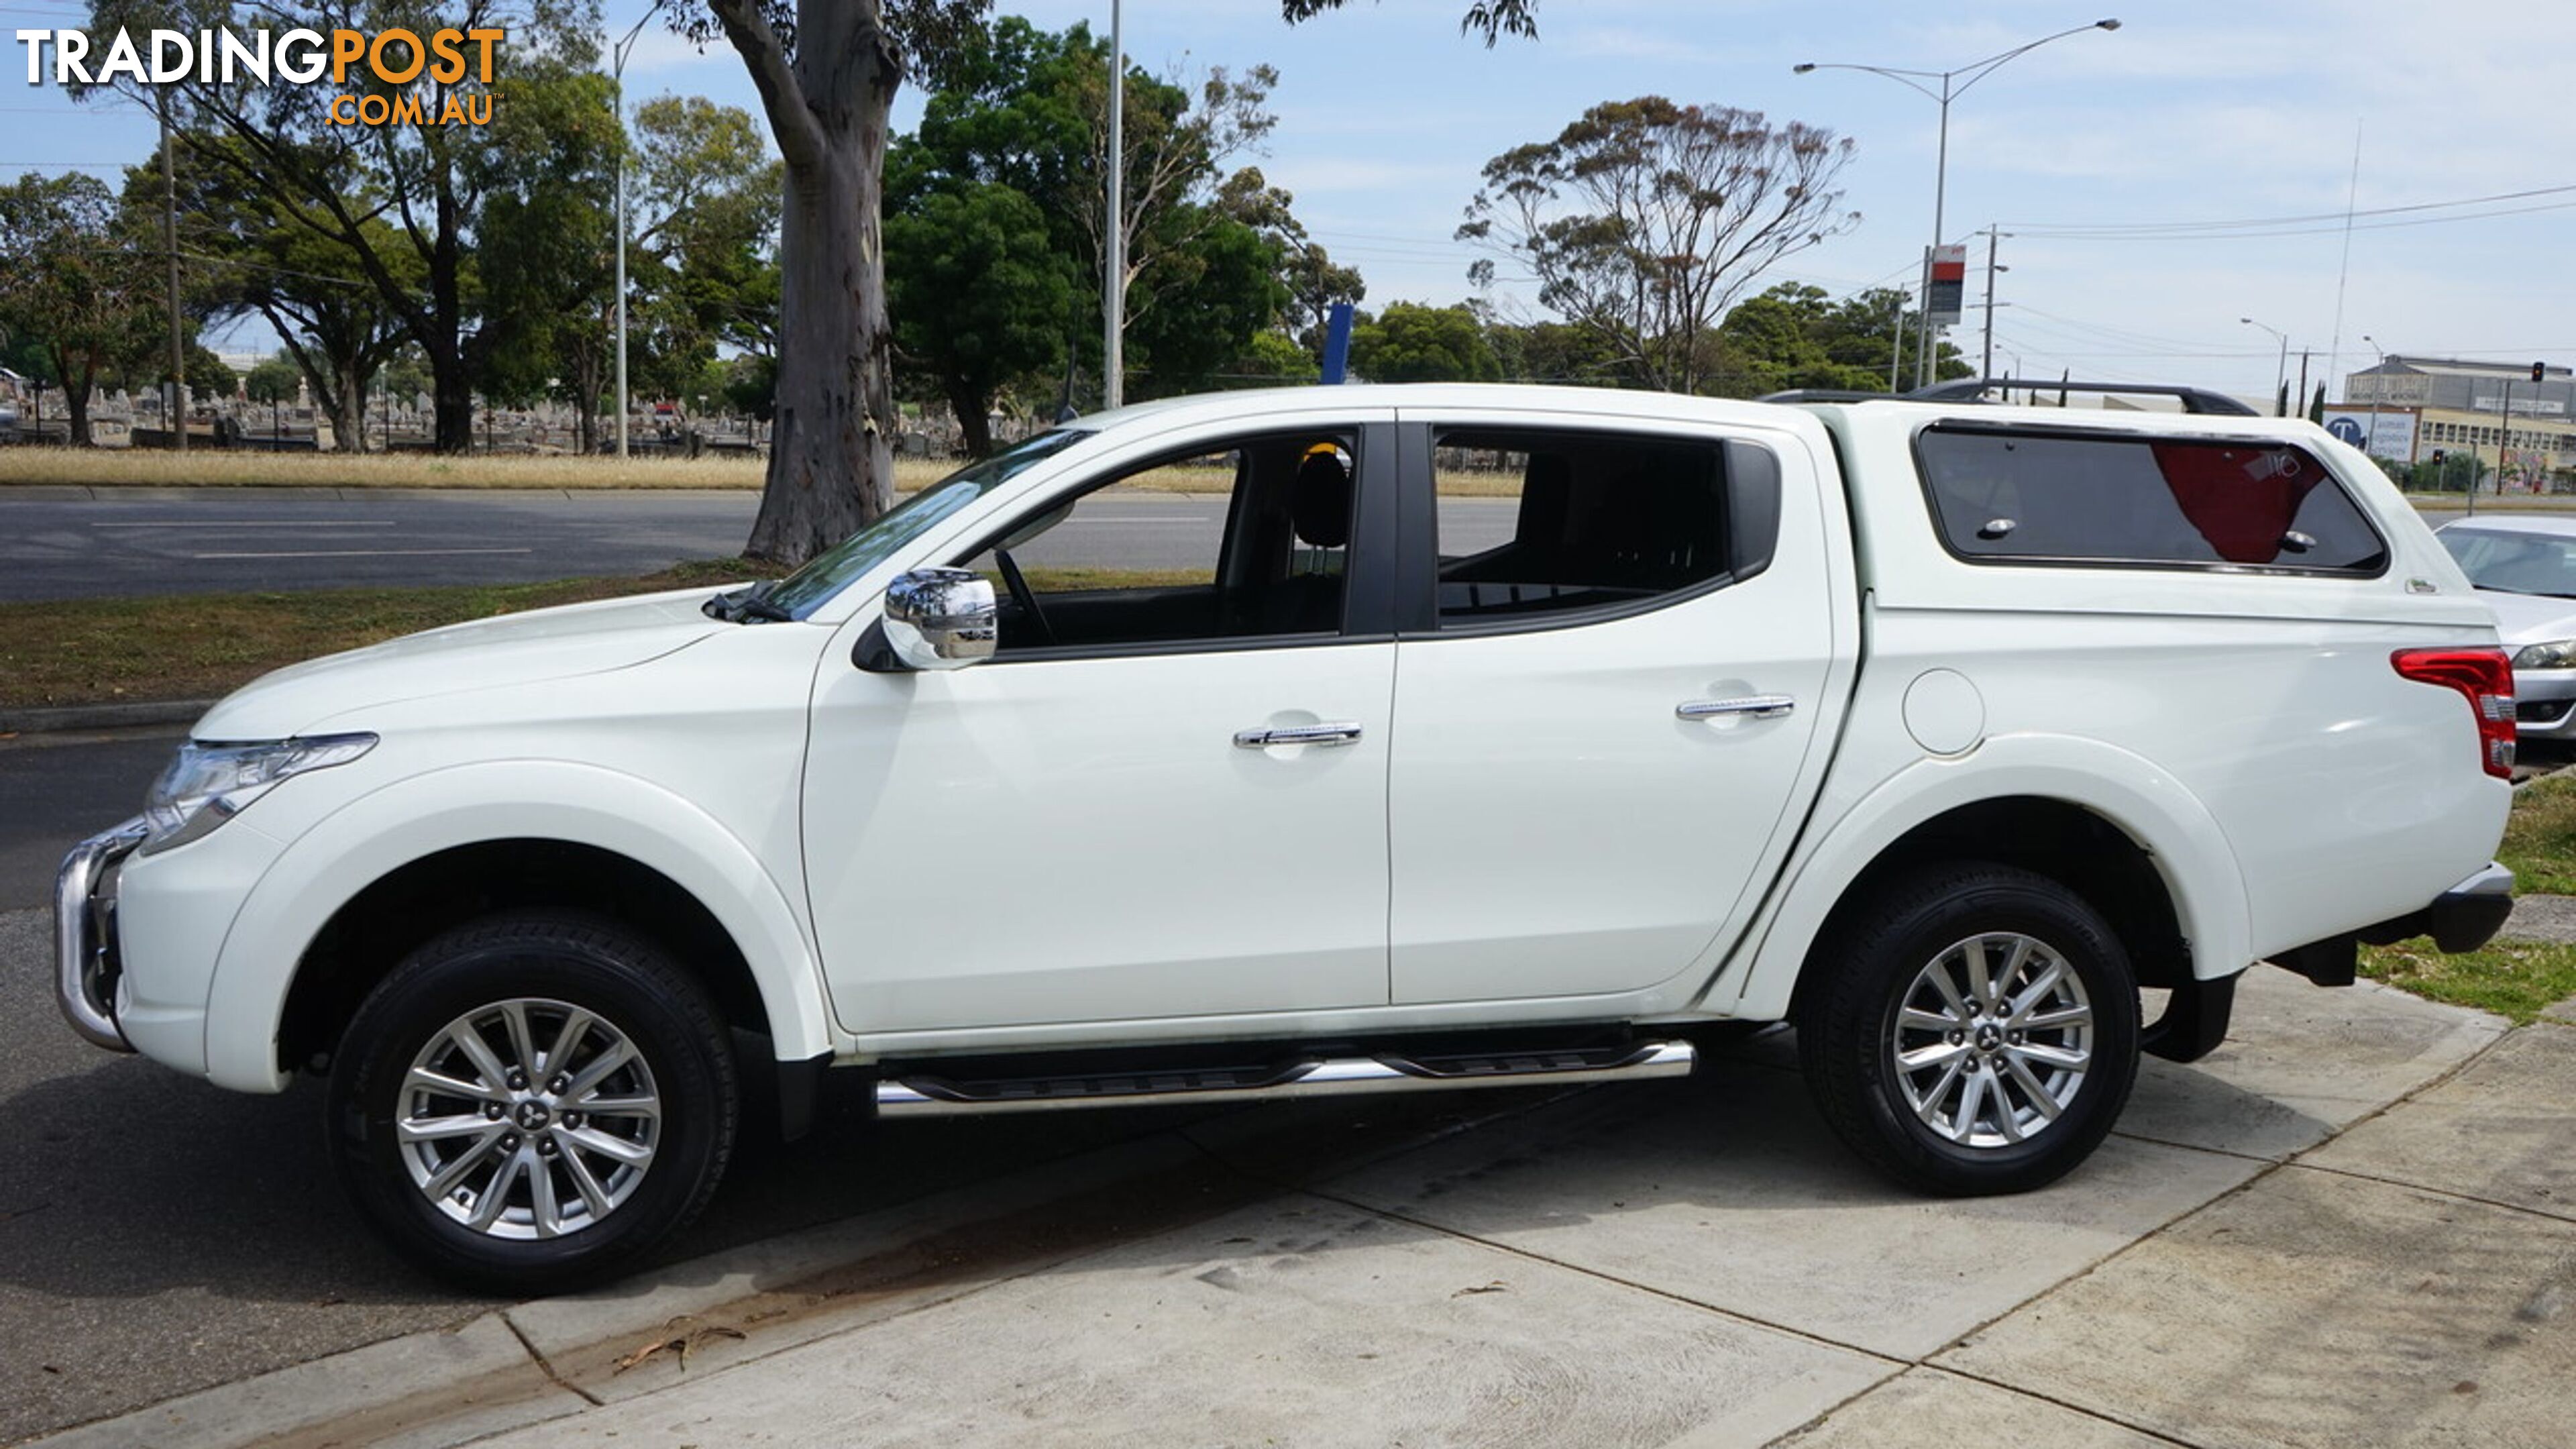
x=533, y=1102
x=1974, y=1030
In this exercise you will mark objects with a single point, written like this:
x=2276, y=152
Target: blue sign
x=2348, y=431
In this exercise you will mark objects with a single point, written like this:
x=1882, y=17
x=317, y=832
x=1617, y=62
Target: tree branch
x=799, y=135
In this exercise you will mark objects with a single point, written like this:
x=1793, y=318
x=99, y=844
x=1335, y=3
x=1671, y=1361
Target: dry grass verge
x=128, y=468
x=197, y=646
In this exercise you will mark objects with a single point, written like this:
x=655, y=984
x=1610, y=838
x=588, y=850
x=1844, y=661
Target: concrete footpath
x=2356, y=1223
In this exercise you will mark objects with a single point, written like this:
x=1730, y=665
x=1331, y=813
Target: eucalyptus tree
x=1643, y=220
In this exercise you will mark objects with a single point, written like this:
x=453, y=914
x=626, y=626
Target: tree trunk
x=587, y=365
x=974, y=419
x=831, y=461
x=451, y=395
x=348, y=408
x=76, y=389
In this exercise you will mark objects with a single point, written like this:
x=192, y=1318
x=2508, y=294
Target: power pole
x=178, y=414
x=2303, y=380
x=1986, y=368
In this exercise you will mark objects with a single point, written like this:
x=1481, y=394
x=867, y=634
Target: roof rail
x=1974, y=389
x=1823, y=395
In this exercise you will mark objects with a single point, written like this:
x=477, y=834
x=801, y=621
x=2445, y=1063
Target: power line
x=2336, y=217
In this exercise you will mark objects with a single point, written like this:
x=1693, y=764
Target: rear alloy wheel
x=1975, y=1031
x=532, y=1102
x=1992, y=1040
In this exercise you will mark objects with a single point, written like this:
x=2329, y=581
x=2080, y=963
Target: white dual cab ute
x=1341, y=739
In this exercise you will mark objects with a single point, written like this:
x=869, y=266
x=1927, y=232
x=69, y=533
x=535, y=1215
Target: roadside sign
x=1948, y=287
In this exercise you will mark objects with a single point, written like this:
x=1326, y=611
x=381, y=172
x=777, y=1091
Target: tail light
x=2485, y=678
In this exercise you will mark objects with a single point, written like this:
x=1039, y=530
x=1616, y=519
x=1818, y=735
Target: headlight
x=210, y=784
x=2556, y=654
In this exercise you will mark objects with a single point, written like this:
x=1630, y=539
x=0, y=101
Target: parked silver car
x=2524, y=566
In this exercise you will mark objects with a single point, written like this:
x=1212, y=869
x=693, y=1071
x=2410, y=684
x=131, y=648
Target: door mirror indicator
x=941, y=619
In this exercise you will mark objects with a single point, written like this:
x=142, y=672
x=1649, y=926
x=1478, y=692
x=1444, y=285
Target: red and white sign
x=1948, y=286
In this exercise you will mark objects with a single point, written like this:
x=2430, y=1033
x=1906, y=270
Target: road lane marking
x=248, y=523
x=363, y=553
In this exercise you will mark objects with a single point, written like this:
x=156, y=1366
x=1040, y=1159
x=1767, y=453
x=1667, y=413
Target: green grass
x=2516, y=980
x=2540, y=839
x=2513, y=979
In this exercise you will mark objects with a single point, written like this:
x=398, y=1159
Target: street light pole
x=1954, y=84
x=1113, y=273
x=2280, y=369
x=617, y=87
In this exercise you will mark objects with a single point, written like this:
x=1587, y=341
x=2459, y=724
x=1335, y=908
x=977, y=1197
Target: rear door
x=1615, y=654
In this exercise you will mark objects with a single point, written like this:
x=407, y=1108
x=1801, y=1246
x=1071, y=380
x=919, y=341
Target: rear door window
x=1539, y=526
x=2004, y=495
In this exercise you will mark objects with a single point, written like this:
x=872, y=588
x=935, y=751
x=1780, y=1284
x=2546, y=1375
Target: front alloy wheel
x=528, y=1119
x=533, y=1101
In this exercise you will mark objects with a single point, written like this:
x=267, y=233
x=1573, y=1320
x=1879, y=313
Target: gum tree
x=1643, y=221
x=827, y=72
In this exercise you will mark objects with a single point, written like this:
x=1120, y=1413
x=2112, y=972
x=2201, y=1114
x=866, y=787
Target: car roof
x=2556, y=525
x=1542, y=398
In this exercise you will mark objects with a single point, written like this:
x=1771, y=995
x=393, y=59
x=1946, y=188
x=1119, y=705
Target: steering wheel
x=1021, y=595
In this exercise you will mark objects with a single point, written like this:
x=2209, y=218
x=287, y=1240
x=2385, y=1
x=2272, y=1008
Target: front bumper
x=86, y=963
x=2544, y=704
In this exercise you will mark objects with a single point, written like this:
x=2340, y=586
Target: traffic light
x=2437, y=457
x=2538, y=371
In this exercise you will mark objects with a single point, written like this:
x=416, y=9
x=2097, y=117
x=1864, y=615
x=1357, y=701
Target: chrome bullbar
x=85, y=959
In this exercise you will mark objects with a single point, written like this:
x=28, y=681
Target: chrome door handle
x=1313, y=734
x=1759, y=706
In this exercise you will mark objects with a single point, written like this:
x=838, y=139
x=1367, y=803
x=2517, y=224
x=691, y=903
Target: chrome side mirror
x=941, y=618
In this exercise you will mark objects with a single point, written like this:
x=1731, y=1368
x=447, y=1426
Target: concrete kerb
x=479, y=1370
x=517, y=1365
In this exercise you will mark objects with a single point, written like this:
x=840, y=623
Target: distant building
x=2458, y=406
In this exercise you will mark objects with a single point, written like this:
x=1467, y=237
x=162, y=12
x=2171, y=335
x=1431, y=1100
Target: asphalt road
x=215, y=541
x=210, y=541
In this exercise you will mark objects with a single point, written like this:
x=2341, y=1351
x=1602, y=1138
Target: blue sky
x=2192, y=112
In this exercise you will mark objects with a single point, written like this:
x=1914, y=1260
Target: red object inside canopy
x=2240, y=499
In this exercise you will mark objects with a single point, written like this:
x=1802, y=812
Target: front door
x=1607, y=691
x=1092, y=825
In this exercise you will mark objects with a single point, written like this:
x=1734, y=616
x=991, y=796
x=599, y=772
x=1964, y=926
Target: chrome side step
x=918, y=1093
